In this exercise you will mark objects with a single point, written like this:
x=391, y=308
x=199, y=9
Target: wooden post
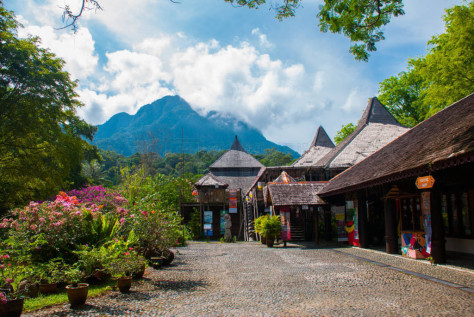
x=438, y=248
x=316, y=225
x=391, y=239
x=327, y=223
x=362, y=208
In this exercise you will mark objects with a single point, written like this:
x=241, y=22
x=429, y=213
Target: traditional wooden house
x=420, y=187
x=220, y=191
x=376, y=128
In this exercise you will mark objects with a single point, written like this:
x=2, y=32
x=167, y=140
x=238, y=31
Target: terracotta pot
x=12, y=308
x=51, y=288
x=168, y=256
x=270, y=242
x=263, y=240
x=77, y=295
x=124, y=284
x=33, y=290
x=140, y=273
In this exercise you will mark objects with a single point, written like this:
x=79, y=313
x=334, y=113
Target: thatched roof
x=320, y=146
x=376, y=128
x=210, y=180
x=284, y=178
x=236, y=157
x=238, y=182
x=296, y=194
x=444, y=140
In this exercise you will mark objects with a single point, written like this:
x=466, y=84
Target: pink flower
x=6, y=256
x=2, y=266
x=122, y=221
x=9, y=280
x=127, y=253
x=145, y=213
x=3, y=298
x=33, y=227
x=132, y=216
x=130, y=248
x=41, y=219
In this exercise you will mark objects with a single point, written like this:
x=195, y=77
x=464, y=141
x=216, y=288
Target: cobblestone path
x=248, y=279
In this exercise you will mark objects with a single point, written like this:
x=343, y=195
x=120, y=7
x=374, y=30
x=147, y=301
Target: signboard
x=425, y=182
x=232, y=201
x=339, y=212
x=426, y=210
x=208, y=217
x=285, y=223
x=208, y=226
x=223, y=212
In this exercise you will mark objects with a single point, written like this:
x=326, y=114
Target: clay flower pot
x=51, y=288
x=124, y=284
x=270, y=242
x=12, y=308
x=77, y=295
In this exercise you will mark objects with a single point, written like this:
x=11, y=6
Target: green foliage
x=38, y=122
x=360, y=20
x=270, y=227
x=259, y=222
x=345, y=131
x=443, y=76
x=402, y=96
x=194, y=224
x=273, y=157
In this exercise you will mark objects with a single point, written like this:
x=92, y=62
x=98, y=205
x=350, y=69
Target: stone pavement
x=248, y=279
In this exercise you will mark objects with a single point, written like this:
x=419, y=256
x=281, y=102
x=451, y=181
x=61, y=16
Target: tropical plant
x=271, y=227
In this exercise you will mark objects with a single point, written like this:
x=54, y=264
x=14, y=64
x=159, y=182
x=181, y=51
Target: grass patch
x=43, y=301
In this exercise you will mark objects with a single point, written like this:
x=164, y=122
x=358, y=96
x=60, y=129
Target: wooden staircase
x=297, y=230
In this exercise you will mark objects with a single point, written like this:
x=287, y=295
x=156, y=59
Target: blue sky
x=284, y=78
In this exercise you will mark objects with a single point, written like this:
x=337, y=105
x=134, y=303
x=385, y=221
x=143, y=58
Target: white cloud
x=77, y=49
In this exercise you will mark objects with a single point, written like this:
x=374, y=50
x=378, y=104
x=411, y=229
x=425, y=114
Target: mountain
x=160, y=125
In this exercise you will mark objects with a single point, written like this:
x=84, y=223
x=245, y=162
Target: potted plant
x=271, y=228
x=11, y=300
x=76, y=292
x=258, y=227
x=122, y=267
x=50, y=274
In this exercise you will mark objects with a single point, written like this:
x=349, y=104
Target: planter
x=77, y=295
x=140, y=273
x=32, y=290
x=263, y=240
x=168, y=256
x=156, y=262
x=124, y=284
x=51, y=288
x=12, y=308
x=270, y=242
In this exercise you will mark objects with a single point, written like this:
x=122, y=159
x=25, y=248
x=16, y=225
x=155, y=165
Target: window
x=411, y=214
x=457, y=217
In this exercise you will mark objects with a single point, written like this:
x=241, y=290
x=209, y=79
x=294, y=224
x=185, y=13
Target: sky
x=283, y=78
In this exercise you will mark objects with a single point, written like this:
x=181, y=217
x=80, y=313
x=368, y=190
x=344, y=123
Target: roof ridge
x=237, y=146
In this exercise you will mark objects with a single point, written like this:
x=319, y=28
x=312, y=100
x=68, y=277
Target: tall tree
x=40, y=133
x=443, y=76
x=345, y=131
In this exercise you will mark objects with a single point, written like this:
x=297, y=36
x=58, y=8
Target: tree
x=41, y=137
x=443, y=76
x=345, y=131
x=361, y=21
x=273, y=157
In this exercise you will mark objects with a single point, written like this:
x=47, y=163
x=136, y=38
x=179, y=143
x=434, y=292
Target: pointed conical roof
x=320, y=146
x=376, y=128
x=236, y=146
x=236, y=157
x=284, y=178
x=321, y=138
x=209, y=180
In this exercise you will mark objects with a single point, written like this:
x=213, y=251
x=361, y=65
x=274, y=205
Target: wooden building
x=395, y=185
x=322, y=161
x=220, y=191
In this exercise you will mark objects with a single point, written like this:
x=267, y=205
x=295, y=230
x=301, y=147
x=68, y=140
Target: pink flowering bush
x=108, y=200
x=54, y=229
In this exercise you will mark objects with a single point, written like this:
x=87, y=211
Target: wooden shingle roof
x=295, y=194
x=210, y=180
x=445, y=139
x=320, y=146
x=236, y=157
x=376, y=128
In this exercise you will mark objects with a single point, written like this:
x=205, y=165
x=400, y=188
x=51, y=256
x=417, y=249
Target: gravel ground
x=248, y=279
x=450, y=273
